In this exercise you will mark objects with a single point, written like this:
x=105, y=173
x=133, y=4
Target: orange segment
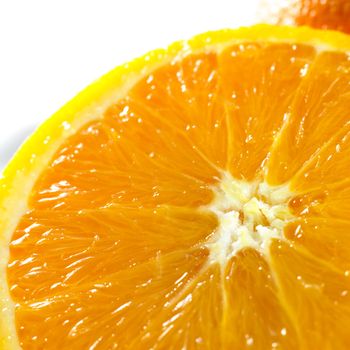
x=320, y=108
x=191, y=320
x=318, y=296
x=330, y=202
x=198, y=198
x=120, y=172
x=122, y=302
x=257, y=98
x=326, y=239
x=80, y=256
x=184, y=97
x=330, y=165
x=255, y=317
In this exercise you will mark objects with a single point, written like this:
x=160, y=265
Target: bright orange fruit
x=324, y=14
x=196, y=198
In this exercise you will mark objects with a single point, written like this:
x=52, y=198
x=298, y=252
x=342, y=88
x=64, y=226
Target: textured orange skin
x=323, y=14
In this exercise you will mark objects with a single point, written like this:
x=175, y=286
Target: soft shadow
x=9, y=146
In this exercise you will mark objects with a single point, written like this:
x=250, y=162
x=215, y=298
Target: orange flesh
x=111, y=252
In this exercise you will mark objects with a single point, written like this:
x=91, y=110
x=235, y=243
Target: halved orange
x=195, y=198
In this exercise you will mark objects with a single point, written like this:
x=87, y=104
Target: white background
x=50, y=50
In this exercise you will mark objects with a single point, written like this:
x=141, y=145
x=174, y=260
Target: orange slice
x=195, y=198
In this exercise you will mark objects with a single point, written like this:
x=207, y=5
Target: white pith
x=249, y=214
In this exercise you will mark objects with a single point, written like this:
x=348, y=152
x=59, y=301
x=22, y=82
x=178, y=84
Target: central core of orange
x=249, y=214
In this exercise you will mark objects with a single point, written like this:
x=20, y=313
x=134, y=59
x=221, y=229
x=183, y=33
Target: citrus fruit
x=324, y=14
x=195, y=198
